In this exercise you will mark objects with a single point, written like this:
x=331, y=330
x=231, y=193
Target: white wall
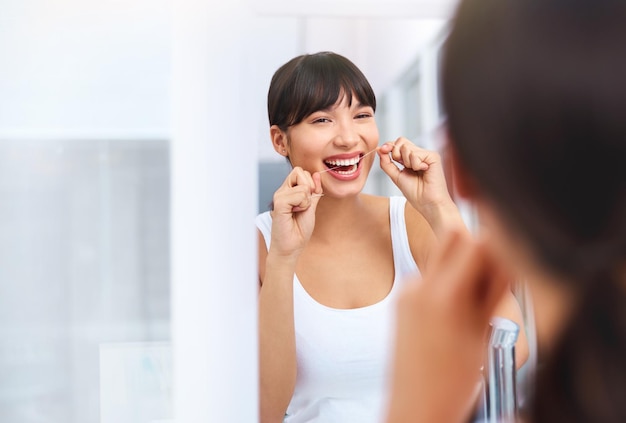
x=84, y=68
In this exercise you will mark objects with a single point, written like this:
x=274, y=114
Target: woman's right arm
x=293, y=219
x=276, y=336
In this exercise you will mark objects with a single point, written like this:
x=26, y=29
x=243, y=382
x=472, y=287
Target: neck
x=339, y=215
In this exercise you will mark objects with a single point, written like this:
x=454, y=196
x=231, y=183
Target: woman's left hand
x=441, y=332
x=421, y=178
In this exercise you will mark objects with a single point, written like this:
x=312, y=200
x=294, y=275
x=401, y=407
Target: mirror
x=399, y=56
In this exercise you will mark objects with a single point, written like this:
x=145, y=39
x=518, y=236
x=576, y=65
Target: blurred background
x=100, y=188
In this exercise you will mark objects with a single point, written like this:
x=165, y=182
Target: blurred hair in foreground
x=535, y=96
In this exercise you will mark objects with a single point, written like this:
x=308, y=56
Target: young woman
x=535, y=94
x=331, y=258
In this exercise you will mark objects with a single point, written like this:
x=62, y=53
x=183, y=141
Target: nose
x=347, y=135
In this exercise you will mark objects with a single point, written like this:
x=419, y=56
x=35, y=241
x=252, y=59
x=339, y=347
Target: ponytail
x=584, y=379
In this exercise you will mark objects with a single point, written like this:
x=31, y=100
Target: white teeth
x=348, y=162
x=348, y=172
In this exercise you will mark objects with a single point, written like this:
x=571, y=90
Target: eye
x=363, y=112
x=321, y=120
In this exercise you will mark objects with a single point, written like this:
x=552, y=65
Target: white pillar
x=213, y=203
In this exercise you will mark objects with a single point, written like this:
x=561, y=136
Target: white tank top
x=343, y=354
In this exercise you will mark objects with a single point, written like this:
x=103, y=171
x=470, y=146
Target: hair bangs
x=322, y=82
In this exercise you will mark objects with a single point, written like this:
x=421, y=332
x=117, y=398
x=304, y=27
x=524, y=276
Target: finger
x=294, y=190
x=317, y=192
x=385, y=148
x=396, y=151
x=388, y=166
x=299, y=177
x=410, y=155
x=313, y=195
x=285, y=199
x=300, y=199
x=317, y=183
x=417, y=159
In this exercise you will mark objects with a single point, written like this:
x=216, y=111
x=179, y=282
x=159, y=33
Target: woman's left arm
x=422, y=181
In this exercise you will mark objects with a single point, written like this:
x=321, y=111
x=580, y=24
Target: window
x=84, y=262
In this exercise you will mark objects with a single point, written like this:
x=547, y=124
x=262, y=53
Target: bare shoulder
x=422, y=239
x=377, y=201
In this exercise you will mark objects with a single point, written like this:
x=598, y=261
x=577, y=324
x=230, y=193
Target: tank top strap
x=263, y=222
x=402, y=257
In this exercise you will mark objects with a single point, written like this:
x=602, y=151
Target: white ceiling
x=429, y=9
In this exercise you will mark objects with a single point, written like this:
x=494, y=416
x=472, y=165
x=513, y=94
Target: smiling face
x=334, y=141
x=321, y=112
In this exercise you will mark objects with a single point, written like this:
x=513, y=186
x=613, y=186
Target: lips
x=343, y=165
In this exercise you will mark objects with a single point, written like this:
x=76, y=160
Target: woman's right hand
x=293, y=216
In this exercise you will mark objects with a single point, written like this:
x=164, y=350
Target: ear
x=464, y=184
x=279, y=140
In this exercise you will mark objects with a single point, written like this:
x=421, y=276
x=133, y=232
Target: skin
x=341, y=266
x=446, y=312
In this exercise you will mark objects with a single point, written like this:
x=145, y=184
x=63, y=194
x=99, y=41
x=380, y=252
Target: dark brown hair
x=312, y=82
x=535, y=97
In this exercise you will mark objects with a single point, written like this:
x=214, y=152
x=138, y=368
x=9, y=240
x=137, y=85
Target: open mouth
x=344, y=166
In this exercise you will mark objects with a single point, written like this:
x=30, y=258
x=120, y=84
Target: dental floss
x=336, y=167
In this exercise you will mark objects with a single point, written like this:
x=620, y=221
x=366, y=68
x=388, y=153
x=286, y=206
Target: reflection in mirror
x=400, y=57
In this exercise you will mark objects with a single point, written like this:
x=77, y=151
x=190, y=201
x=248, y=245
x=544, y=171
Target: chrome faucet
x=500, y=390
